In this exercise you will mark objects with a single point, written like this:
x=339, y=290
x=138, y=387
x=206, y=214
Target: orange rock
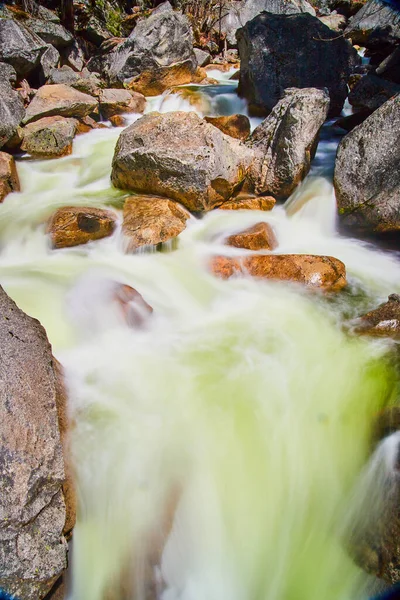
x=258, y=237
x=249, y=203
x=117, y=101
x=9, y=181
x=324, y=272
x=155, y=82
x=86, y=124
x=117, y=121
x=237, y=126
x=72, y=226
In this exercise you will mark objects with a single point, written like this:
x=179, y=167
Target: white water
x=214, y=449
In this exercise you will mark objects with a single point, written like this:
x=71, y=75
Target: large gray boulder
x=282, y=51
x=181, y=157
x=20, y=47
x=287, y=140
x=52, y=33
x=33, y=551
x=367, y=174
x=238, y=13
x=377, y=24
x=163, y=39
x=371, y=91
x=12, y=109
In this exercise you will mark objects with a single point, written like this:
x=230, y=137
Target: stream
x=217, y=449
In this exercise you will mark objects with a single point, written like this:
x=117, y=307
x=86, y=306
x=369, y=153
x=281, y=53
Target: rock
x=72, y=226
x=9, y=181
x=64, y=75
x=237, y=14
x=237, y=126
x=86, y=124
x=118, y=121
x=367, y=177
x=324, y=272
x=350, y=121
x=73, y=56
x=20, y=47
x=334, y=21
x=33, y=551
x=249, y=203
x=150, y=221
x=384, y=321
x=52, y=33
x=376, y=25
x=370, y=92
x=12, y=111
x=48, y=61
x=390, y=67
x=59, y=100
x=84, y=81
x=258, y=237
x=203, y=58
x=50, y=137
x=287, y=140
x=282, y=51
x=180, y=156
x=162, y=40
x=7, y=73
x=115, y=102
x=94, y=31
x=158, y=80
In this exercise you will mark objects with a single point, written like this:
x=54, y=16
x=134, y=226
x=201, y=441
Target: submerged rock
x=59, y=100
x=12, y=109
x=377, y=24
x=367, y=174
x=20, y=47
x=324, y=272
x=72, y=226
x=180, y=156
x=33, y=551
x=384, y=321
x=9, y=181
x=151, y=221
x=115, y=102
x=135, y=310
x=50, y=137
x=286, y=51
x=257, y=237
x=237, y=126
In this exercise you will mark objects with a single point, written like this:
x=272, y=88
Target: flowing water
x=216, y=448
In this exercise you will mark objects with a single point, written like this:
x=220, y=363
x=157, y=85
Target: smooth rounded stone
x=51, y=32
x=20, y=47
x=9, y=180
x=203, y=58
x=150, y=221
x=60, y=100
x=376, y=25
x=72, y=226
x=33, y=551
x=12, y=111
x=367, y=174
x=324, y=272
x=180, y=156
x=237, y=126
x=292, y=51
x=287, y=140
x=384, y=321
x=50, y=137
x=249, y=203
x=260, y=236
x=115, y=102
x=161, y=40
x=159, y=79
x=371, y=91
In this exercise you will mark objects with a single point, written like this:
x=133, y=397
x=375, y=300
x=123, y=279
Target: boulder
x=324, y=272
x=180, y=156
x=59, y=100
x=334, y=21
x=371, y=91
x=260, y=236
x=237, y=126
x=115, y=102
x=156, y=81
x=20, y=47
x=376, y=25
x=50, y=137
x=282, y=51
x=244, y=202
x=84, y=81
x=64, y=75
x=203, y=58
x=118, y=121
x=287, y=140
x=51, y=32
x=161, y=40
x=33, y=550
x=8, y=73
x=9, y=181
x=48, y=61
x=150, y=221
x=12, y=111
x=72, y=226
x=390, y=67
x=73, y=56
x=384, y=321
x=367, y=176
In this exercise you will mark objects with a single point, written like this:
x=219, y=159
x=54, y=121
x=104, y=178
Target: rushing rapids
x=216, y=448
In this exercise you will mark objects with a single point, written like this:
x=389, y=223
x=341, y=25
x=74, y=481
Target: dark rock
x=258, y=237
x=282, y=51
x=390, y=67
x=7, y=73
x=50, y=137
x=367, y=174
x=72, y=226
x=350, y=121
x=377, y=24
x=12, y=111
x=95, y=31
x=52, y=33
x=33, y=551
x=371, y=91
x=20, y=47
x=73, y=56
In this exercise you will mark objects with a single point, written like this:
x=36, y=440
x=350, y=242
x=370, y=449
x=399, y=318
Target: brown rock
x=86, y=124
x=157, y=81
x=117, y=101
x=50, y=137
x=324, y=272
x=135, y=309
x=117, y=121
x=72, y=226
x=59, y=99
x=258, y=237
x=237, y=126
x=224, y=67
x=151, y=221
x=249, y=203
x=9, y=181
x=384, y=321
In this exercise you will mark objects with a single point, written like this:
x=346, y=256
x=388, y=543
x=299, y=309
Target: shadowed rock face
x=20, y=47
x=377, y=24
x=33, y=551
x=72, y=226
x=384, y=321
x=285, y=51
x=367, y=174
